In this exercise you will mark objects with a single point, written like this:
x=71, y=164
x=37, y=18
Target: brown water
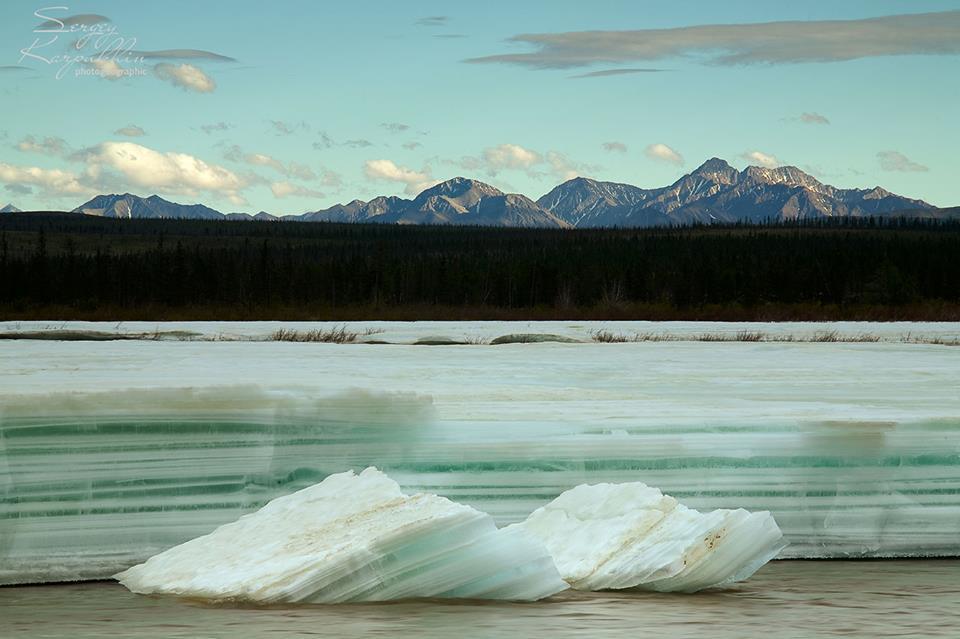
x=785, y=599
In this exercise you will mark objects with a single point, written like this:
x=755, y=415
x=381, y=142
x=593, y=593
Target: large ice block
x=353, y=538
x=612, y=536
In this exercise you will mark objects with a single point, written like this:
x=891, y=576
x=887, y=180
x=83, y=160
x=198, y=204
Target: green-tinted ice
x=854, y=448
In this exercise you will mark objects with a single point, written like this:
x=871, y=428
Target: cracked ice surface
x=113, y=451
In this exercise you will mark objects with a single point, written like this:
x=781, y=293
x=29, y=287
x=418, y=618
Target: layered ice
x=92, y=483
x=353, y=538
x=111, y=452
x=612, y=536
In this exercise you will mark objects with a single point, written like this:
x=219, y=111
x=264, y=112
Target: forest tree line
x=66, y=266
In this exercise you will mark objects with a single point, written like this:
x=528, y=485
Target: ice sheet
x=855, y=448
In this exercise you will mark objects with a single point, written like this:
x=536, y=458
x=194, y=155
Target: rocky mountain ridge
x=713, y=192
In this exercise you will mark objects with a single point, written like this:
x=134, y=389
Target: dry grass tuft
x=334, y=335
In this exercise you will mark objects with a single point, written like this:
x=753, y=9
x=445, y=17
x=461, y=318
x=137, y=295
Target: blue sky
x=327, y=102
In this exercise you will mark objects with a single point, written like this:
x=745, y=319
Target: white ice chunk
x=631, y=535
x=353, y=538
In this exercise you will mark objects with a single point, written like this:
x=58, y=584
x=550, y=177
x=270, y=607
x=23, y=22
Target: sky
x=292, y=106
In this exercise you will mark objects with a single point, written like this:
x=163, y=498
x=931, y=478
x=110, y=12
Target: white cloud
x=129, y=166
x=760, y=158
x=49, y=145
x=55, y=182
x=751, y=43
x=261, y=159
x=663, y=153
x=186, y=76
x=387, y=170
x=618, y=147
x=167, y=171
x=510, y=156
x=131, y=131
x=896, y=161
x=283, y=189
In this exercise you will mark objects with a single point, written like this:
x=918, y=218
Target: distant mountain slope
x=717, y=192
x=246, y=217
x=336, y=213
x=456, y=201
x=512, y=210
x=10, y=208
x=581, y=200
x=132, y=206
x=713, y=192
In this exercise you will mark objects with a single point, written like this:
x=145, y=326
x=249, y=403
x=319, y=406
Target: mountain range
x=10, y=208
x=714, y=192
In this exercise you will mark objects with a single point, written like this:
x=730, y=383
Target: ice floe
x=353, y=538
x=359, y=538
x=609, y=536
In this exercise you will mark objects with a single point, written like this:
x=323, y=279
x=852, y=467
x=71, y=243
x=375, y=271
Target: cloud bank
x=172, y=172
x=739, y=44
x=53, y=182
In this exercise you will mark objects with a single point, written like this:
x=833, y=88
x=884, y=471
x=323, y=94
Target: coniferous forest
x=70, y=266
